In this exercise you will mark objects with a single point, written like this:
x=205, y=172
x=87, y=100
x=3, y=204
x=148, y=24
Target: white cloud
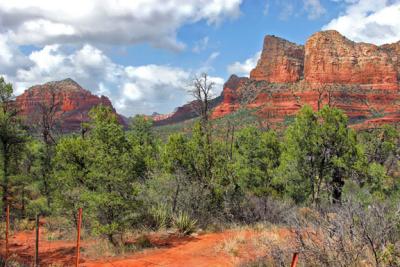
x=132, y=89
x=244, y=68
x=10, y=57
x=201, y=45
x=65, y=36
x=266, y=7
x=287, y=10
x=314, y=8
x=43, y=22
x=132, y=92
x=374, y=21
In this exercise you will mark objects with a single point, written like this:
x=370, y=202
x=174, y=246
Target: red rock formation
x=362, y=79
x=277, y=103
x=185, y=112
x=159, y=117
x=230, y=96
x=332, y=58
x=281, y=61
x=394, y=51
x=71, y=100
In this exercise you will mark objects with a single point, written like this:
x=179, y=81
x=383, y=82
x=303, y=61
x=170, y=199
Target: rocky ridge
x=72, y=103
x=362, y=79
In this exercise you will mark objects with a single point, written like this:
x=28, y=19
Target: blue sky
x=235, y=39
x=143, y=53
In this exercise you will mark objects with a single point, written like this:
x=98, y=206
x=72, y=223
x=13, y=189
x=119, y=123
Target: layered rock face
x=72, y=103
x=183, y=113
x=281, y=61
x=332, y=58
x=361, y=79
x=394, y=51
x=231, y=96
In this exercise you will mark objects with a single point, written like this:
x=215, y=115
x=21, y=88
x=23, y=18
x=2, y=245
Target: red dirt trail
x=202, y=250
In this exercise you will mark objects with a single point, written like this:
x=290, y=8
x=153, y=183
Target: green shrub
x=184, y=224
x=2, y=230
x=160, y=216
x=143, y=242
x=24, y=225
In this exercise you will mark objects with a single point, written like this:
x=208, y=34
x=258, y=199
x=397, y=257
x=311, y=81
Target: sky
x=142, y=54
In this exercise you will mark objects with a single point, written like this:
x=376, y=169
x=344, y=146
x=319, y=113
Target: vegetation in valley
x=338, y=189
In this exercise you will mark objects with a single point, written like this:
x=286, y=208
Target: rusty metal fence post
x=37, y=242
x=78, y=238
x=7, y=230
x=295, y=259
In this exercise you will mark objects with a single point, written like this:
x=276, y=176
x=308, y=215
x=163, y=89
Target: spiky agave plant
x=184, y=224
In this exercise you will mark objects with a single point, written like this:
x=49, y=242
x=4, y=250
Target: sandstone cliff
x=72, y=103
x=332, y=58
x=362, y=79
x=281, y=61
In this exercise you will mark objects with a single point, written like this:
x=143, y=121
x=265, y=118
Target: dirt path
x=192, y=251
x=213, y=249
x=22, y=249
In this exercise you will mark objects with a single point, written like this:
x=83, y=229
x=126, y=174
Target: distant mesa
x=71, y=101
x=362, y=79
x=281, y=61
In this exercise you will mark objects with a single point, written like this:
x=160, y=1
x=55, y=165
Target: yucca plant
x=184, y=224
x=161, y=216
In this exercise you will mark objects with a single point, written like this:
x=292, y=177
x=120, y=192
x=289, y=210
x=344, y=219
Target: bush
x=24, y=225
x=160, y=216
x=2, y=230
x=60, y=228
x=349, y=235
x=184, y=224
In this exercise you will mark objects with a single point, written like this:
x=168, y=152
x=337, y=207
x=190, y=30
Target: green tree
x=380, y=164
x=257, y=157
x=319, y=152
x=141, y=129
x=101, y=171
x=142, y=138
x=12, y=138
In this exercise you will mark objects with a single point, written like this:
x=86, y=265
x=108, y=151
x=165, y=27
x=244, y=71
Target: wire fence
x=33, y=247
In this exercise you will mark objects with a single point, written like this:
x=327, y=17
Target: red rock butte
x=360, y=78
x=72, y=103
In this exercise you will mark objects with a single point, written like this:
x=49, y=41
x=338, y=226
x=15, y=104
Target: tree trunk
x=175, y=202
x=337, y=186
x=5, y=179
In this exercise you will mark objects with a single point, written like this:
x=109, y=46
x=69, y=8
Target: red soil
x=201, y=250
x=22, y=249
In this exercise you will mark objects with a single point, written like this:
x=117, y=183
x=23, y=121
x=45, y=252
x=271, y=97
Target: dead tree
x=46, y=116
x=327, y=91
x=201, y=90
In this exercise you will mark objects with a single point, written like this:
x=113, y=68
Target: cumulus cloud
x=314, y=8
x=43, y=22
x=374, y=21
x=287, y=9
x=65, y=36
x=132, y=89
x=10, y=57
x=244, y=68
x=87, y=64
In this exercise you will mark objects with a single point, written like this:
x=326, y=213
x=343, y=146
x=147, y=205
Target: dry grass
x=23, y=225
x=99, y=249
x=259, y=244
x=232, y=245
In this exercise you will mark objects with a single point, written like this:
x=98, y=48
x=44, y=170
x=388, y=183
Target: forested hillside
x=130, y=179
